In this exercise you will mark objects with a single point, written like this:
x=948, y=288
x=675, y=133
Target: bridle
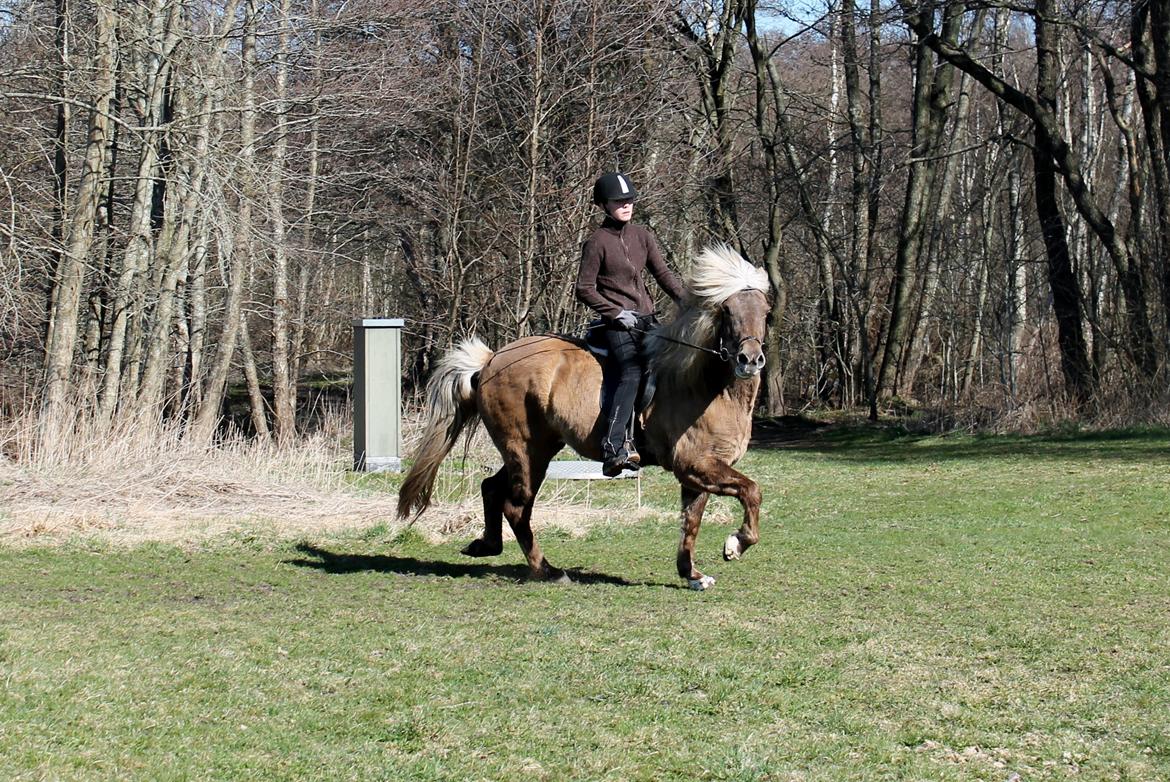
x=727, y=355
x=723, y=353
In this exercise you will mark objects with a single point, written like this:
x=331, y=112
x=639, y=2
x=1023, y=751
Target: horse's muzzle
x=749, y=366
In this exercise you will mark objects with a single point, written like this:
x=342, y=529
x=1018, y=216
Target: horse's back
x=533, y=363
x=548, y=383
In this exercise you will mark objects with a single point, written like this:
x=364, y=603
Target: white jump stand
x=583, y=470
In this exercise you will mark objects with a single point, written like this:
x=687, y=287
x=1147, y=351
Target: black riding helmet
x=613, y=187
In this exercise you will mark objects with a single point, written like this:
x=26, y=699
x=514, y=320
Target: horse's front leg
x=726, y=481
x=693, y=504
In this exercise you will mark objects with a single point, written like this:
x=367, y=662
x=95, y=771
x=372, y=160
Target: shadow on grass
x=893, y=443
x=341, y=564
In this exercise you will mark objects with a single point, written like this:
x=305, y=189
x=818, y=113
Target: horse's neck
x=744, y=392
x=741, y=393
x=716, y=379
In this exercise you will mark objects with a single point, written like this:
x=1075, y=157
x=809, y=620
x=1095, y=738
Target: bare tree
x=79, y=232
x=208, y=413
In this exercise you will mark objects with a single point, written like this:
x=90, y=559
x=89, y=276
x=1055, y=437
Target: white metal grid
x=583, y=470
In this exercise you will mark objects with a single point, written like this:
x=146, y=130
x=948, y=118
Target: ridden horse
x=540, y=393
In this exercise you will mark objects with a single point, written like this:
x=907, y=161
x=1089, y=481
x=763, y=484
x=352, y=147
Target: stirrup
x=625, y=459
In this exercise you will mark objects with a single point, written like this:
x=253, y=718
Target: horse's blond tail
x=450, y=407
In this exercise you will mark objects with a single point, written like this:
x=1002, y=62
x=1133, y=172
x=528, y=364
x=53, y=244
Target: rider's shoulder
x=642, y=233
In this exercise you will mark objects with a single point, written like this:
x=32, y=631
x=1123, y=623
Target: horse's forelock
x=719, y=273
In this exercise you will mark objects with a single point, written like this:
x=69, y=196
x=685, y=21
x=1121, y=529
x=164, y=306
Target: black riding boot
x=618, y=449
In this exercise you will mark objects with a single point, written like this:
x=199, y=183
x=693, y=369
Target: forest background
x=961, y=205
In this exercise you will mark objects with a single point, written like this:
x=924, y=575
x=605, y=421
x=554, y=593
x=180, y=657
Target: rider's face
x=621, y=210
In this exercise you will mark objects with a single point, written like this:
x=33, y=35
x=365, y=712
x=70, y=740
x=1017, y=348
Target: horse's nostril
x=760, y=359
x=742, y=358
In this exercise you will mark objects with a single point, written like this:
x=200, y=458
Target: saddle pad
x=595, y=338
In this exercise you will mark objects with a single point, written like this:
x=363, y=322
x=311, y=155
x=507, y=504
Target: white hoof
x=732, y=548
x=699, y=584
x=564, y=579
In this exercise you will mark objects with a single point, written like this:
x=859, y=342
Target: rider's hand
x=626, y=319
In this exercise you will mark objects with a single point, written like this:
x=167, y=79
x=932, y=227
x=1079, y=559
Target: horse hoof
x=732, y=548
x=701, y=583
x=479, y=548
x=552, y=575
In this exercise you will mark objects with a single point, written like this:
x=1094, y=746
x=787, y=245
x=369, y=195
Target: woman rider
x=610, y=282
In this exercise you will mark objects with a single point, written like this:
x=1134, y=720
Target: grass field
x=919, y=608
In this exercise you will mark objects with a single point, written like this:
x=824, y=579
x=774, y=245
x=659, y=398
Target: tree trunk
x=1154, y=57
x=713, y=61
x=300, y=322
x=284, y=392
x=771, y=135
x=148, y=105
x=62, y=32
x=1066, y=293
x=208, y=413
x=79, y=235
x=533, y=150
x=174, y=255
x=197, y=320
x=256, y=403
x=932, y=98
x=1017, y=286
x=862, y=206
x=918, y=343
x=833, y=337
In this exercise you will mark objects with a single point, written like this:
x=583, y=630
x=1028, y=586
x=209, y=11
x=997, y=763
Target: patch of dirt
x=30, y=515
x=785, y=431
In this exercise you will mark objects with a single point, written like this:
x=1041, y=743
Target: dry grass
x=142, y=481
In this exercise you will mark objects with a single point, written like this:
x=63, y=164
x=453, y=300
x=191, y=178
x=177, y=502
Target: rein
x=723, y=354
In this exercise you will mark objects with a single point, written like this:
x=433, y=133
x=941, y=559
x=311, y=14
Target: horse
x=540, y=393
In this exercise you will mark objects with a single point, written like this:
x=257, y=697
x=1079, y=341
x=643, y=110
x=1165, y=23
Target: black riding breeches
x=625, y=369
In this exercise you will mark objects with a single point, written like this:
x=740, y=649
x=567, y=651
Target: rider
x=610, y=282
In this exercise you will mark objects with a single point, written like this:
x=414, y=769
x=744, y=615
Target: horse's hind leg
x=526, y=473
x=495, y=492
x=518, y=511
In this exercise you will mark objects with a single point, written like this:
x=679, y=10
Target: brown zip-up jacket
x=610, y=277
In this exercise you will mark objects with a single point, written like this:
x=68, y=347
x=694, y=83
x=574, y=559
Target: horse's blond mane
x=718, y=274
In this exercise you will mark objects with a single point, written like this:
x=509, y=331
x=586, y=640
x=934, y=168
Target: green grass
x=920, y=608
